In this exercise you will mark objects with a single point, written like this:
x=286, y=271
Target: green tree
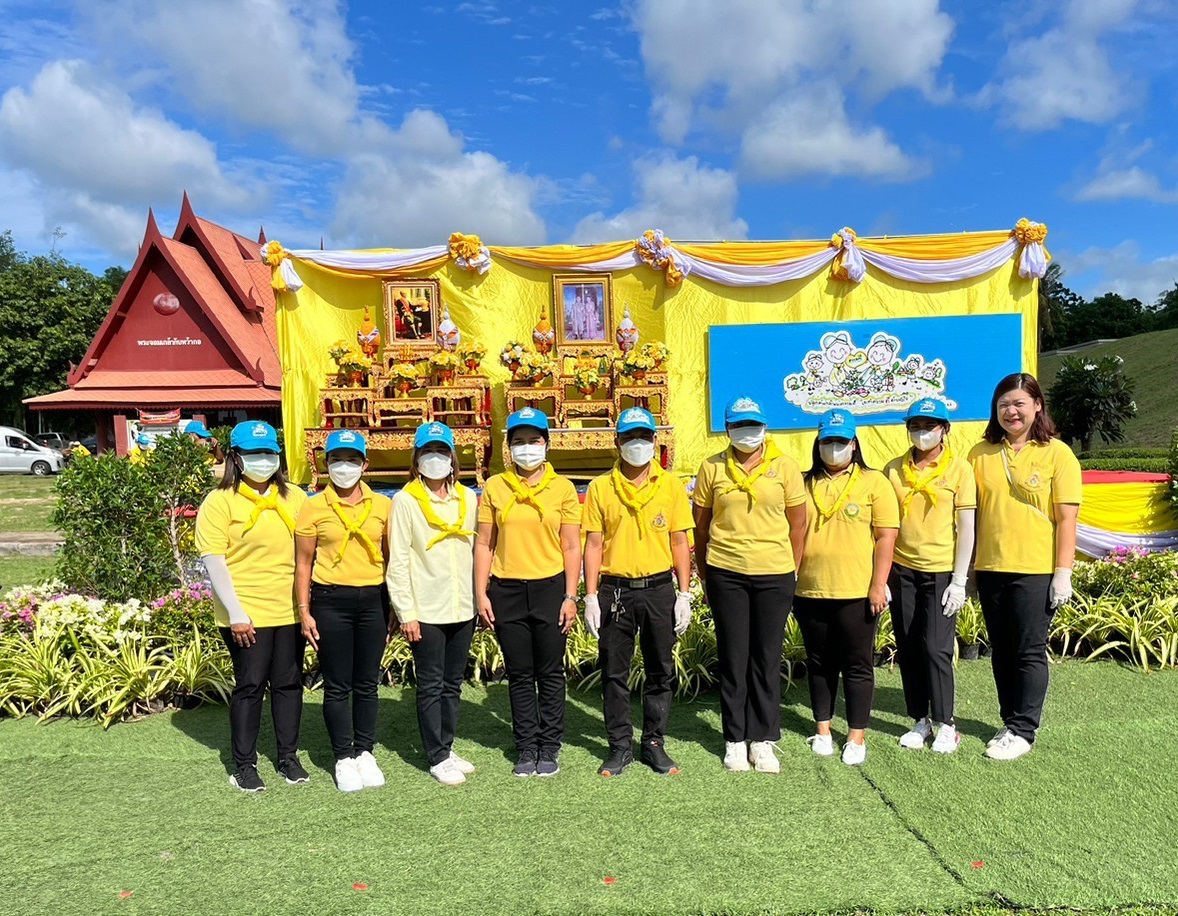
x=1110, y=316
x=1165, y=312
x=1056, y=301
x=1091, y=397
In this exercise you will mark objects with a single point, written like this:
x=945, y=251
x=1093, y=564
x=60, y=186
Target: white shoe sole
x=297, y=782
x=739, y=766
x=952, y=749
x=233, y=782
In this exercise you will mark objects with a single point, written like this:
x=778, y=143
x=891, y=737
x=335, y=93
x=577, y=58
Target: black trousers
x=925, y=639
x=439, y=664
x=527, y=625
x=648, y=614
x=750, y=614
x=839, y=635
x=1017, y=608
x=275, y=660
x=353, y=626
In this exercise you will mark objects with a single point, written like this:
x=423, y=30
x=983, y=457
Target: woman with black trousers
x=341, y=547
x=527, y=563
x=1029, y=488
x=750, y=529
x=245, y=537
x=842, y=582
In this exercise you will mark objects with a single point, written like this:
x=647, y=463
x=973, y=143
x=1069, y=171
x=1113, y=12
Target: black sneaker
x=292, y=771
x=547, y=765
x=619, y=758
x=657, y=759
x=527, y=763
x=247, y=779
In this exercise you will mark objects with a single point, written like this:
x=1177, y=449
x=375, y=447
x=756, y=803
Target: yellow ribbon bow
x=634, y=499
x=261, y=504
x=744, y=480
x=416, y=489
x=353, y=528
x=828, y=512
x=521, y=492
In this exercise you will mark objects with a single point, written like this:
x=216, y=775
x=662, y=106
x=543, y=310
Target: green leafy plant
x=1090, y=397
x=971, y=625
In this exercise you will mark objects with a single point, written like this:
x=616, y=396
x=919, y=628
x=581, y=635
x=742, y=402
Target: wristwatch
x=573, y=598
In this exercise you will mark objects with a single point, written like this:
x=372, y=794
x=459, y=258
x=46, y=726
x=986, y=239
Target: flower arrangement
x=339, y=350
x=512, y=355
x=354, y=360
x=444, y=360
x=534, y=367
x=404, y=372
x=471, y=352
x=656, y=350
x=636, y=364
x=586, y=379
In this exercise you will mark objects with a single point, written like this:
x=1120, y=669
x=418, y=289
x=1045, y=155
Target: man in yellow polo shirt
x=636, y=522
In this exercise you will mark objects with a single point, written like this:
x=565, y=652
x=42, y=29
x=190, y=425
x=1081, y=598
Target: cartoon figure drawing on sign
x=880, y=354
x=836, y=353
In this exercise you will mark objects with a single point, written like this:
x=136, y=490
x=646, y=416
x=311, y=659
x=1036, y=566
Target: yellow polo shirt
x=319, y=520
x=637, y=543
x=527, y=539
x=1016, y=515
x=840, y=549
x=750, y=536
x=928, y=525
x=261, y=560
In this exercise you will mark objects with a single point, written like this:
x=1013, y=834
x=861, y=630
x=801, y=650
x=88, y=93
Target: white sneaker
x=447, y=774
x=762, y=758
x=822, y=745
x=1009, y=747
x=462, y=766
x=854, y=754
x=998, y=736
x=370, y=773
x=947, y=739
x=918, y=736
x=736, y=757
x=347, y=775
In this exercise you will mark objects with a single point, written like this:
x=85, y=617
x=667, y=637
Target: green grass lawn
x=1150, y=362
x=1086, y=821
x=26, y=503
x=24, y=571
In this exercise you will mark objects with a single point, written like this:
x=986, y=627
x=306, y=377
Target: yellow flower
x=467, y=247
x=274, y=253
x=1026, y=231
x=444, y=359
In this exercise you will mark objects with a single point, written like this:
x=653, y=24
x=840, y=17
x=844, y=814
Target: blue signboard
x=873, y=368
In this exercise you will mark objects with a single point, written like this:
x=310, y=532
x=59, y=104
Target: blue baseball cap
x=742, y=410
x=530, y=417
x=346, y=438
x=635, y=418
x=196, y=428
x=143, y=440
x=837, y=424
x=254, y=436
x=433, y=432
x=928, y=408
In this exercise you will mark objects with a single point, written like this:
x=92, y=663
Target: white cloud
x=1127, y=184
x=685, y=199
x=1121, y=269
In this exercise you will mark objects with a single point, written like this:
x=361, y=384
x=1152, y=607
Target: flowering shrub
x=1130, y=572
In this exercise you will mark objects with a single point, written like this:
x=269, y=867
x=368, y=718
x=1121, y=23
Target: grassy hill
x=1151, y=360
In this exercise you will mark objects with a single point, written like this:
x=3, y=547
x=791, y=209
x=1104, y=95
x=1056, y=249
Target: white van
x=19, y=454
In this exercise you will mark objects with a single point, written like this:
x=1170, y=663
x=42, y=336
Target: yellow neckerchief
x=522, y=492
x=635, y=498
x=354, y=527
x=921, y=481
x=262, y=503
x=828, y=512
x=744, y=480
x=417, y=490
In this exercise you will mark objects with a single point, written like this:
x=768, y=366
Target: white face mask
x=434, y=465
x=259, y=468
x=836, y=454
x=637, y=452
x=345, y=474
x=925, y=439
x=529, y=457
x=747, y=438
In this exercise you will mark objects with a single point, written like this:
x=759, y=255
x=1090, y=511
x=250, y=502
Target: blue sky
x=393, y=124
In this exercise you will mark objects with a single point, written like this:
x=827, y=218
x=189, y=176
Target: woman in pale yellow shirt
x=842, y=582
x=430, y=580
x=527, y=562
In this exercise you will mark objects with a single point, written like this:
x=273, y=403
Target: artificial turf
x=1086, y=820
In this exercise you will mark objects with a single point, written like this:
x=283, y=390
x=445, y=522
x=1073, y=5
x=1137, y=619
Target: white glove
x=954, y=598
x=682, y=612
x=1061, y=587
x=888, y=593
x=592, y=615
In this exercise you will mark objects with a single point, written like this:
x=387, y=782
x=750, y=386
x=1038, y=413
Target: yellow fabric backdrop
x=505, y=304
x=1136, y=508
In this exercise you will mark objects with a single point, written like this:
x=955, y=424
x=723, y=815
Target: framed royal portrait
x=582, y=309
x=411, y=309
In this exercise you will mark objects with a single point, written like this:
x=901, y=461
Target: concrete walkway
x=29, y=543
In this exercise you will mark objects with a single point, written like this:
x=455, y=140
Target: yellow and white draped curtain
x=1125, y=510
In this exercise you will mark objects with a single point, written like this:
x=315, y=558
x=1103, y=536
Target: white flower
x=1089, y=366
x=1119, y=360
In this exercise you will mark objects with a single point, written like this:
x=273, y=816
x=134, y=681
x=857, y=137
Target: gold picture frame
x=582, y=310
x=412, y=310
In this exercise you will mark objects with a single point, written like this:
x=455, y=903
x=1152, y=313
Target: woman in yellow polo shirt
x=430, y=581
x=938, y=499
x=341, y=545
x=245, y=537
x=527, y=561
x=750, y=530
x=842, y=581
x=1029, y=486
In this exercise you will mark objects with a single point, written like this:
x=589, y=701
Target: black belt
x=648, y=582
